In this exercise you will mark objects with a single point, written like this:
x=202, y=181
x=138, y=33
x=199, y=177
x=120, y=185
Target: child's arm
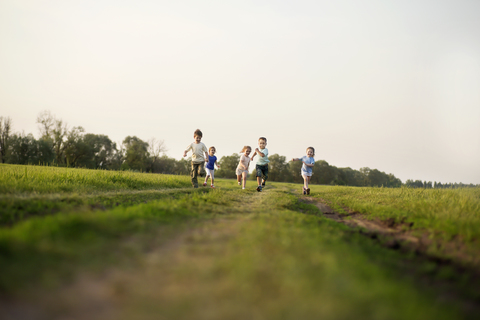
x=308, y=165
x=260, y=153
x=296, y=159
x=186, y=150
x=216, y=163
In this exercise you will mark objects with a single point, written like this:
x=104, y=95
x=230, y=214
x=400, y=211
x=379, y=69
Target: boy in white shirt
x=199, y=154
x=262, y=163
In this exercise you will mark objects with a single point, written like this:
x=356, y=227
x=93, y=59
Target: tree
x=75, y=147
x=136, y=154
x=323, y=173
x=228, y=165
x=117, y=158
x=294, y=168
x=23, y=149
x=165, y=165
x=155, y=147
x=45, y=154
x=278, y=169
x=54, y=130
x=375, y=178
x=350, y=177
x=5, y=127
x=394, y=182
x=101, y=151
x=182, y=167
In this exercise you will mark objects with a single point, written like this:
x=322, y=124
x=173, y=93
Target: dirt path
x=164, y=276
x=398, y=234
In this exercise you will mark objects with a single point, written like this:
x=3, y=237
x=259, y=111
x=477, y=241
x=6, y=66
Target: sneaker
x=212, y=186
x=204, y=184
x=239, y=183
x=243, y=188
x=304, y=190
x=259, y=188
x=308, y=190
x=263, y=183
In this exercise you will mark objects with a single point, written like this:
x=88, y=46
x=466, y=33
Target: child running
x=308, y=163
x=198, y=159
x=210, y=168
x=242, y=168
x=262, y=163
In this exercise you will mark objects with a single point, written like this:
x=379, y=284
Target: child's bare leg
x=244, y=175
x=239, y=179
x=259, y=181
x=206, y=178
x=308, y=181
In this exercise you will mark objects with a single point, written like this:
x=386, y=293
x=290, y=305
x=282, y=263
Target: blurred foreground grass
x=208, y=254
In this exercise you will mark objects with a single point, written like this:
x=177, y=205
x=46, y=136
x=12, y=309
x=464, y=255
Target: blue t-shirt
x=211, y=162
x=308, y=160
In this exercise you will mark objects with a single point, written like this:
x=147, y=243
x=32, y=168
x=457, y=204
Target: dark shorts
x=262, y=171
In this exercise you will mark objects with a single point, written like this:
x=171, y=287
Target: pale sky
x=390, y=85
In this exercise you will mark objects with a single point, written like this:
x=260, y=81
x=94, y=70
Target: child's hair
x=311, y=148
x=212, y=147
x=263, y=138
x=246, y=148
x=198, y=133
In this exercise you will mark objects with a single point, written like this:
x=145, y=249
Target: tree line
x=60, y=146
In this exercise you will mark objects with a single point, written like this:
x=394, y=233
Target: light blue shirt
x=263, y=160
x=308, y=160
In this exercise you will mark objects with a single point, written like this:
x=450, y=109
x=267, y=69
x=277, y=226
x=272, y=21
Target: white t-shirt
x=198, y=151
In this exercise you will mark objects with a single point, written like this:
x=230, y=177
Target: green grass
x=27, y=191
x=227, y=253
x=443, y=214
x=452, y=212
x=18, y=179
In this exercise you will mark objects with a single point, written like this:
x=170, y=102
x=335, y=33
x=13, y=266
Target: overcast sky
x=391, y=85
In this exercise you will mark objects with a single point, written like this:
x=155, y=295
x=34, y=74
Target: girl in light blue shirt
x=308, y=163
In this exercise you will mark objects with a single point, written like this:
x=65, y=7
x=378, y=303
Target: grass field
x=119, y=245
